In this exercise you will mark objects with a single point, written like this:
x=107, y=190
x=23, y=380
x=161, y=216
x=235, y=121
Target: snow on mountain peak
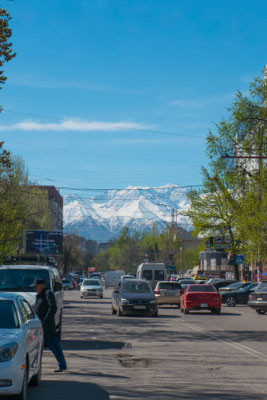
x=102, y=217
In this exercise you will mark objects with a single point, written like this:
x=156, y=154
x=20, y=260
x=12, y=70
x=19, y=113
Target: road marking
x=229, y=342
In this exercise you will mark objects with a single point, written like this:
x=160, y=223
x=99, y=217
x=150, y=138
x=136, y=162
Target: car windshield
x=21, y=280
x=169, y=285
x=91, y=282
x=66, y=281
x=262, y=287
x=136, y=287
x=201, y=288
x=8, y=315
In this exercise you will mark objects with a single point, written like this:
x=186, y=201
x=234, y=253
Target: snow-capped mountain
x=102, y=217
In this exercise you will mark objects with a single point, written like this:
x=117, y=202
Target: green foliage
x=6, y=53
x=129, y=250
x=233, y=200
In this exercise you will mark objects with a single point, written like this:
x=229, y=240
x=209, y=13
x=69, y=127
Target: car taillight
x=250, y=297
x=157, y=291
x=182, y=291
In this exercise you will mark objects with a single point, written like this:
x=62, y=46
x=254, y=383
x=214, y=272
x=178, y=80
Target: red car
x=201, y=297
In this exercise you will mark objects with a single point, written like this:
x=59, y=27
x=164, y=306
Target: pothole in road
x=130, y=361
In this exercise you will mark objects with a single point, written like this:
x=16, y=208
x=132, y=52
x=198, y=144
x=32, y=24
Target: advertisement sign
x=44, y=242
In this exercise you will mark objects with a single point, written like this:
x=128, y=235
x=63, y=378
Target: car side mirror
x=33, y=324
x=57, y=286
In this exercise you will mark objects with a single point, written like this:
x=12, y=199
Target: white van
x=152, y=272
x=112, y=277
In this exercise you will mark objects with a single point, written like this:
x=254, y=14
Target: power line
x=105, y=125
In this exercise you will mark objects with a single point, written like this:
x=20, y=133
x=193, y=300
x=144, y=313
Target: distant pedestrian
x=46, y=308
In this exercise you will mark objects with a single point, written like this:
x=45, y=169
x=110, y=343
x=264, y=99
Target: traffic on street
x=195, y=356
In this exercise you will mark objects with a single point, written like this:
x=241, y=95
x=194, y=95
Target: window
x=159, y=275
x=8, y=315
x=147, y=274
x=29, y=311
x=201, y=288
x=23, y=312
x=139, y=287
x=170, y=286
x=20, y=279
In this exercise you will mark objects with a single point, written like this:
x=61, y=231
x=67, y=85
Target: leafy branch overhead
x=6, y=52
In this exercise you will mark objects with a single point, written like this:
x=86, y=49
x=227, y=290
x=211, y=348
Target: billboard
x=44, y=242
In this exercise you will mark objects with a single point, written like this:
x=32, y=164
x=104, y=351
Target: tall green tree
x=233, y=201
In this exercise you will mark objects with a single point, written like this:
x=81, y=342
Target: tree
x=6, y=52
x=233, y=201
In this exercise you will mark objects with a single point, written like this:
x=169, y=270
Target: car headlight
x=124, y=301
x=153, y=301
x=8, y=351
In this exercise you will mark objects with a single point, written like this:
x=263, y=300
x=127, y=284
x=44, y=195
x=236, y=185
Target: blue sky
x=115, y=73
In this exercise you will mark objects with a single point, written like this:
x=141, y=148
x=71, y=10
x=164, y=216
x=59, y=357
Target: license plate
x=259, y=298
x=140, y=307
x=203, y=305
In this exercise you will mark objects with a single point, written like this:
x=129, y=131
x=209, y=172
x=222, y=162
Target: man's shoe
x=59, y=369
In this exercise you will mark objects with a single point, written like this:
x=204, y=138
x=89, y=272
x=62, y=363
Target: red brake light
x=157, y=291
x=250, y=297
x=182, y=291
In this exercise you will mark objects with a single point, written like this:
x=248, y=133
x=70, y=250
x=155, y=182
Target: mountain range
x=101, y=217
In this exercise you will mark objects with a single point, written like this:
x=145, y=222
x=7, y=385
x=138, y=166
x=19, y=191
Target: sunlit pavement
x=174, y=356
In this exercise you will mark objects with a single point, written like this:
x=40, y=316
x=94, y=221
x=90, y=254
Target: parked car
x=67, y=284
x=21, y=346
x=20, y=278
x=168, y=292
x=240, y=296
x=91, y=288
x=134, y=296
x=201, y=297
x=224, y=283
x=258, y=299
x=234, y=286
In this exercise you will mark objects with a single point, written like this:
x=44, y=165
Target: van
x=152, y=272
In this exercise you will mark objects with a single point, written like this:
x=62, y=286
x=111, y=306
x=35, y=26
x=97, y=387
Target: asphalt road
x=174, y=356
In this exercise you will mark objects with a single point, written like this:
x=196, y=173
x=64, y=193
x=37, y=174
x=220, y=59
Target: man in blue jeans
x=46, y=308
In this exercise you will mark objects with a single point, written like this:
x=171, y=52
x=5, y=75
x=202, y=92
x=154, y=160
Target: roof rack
x=31, y=260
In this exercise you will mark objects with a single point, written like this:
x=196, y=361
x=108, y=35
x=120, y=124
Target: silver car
x=91, y=288
x=21, y=346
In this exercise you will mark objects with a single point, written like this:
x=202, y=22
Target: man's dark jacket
x=46, y=309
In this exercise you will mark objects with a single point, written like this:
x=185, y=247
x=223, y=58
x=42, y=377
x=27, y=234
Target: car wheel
x=218, y=311
x=119, y=313
x=178, y=305
x=81, y=297
x=186, y=311
x=113, y=311
x=101, y=297
x=23, y=394
x=231, y=302
x=260, y=312
x=36, y=379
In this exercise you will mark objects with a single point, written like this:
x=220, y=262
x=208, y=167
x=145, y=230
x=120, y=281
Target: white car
x=21, y=346
x=91, y=287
